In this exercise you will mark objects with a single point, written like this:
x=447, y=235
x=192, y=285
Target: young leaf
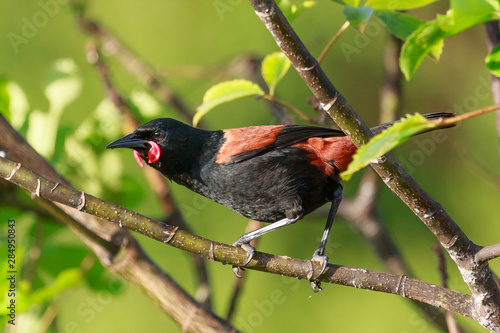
x=428, y=38
x=358, y=16
x=225, y=92
x=397, y=5
x=274, y=68
x=63, y=84
x=37, y=134
x=291, y=11
x=353, y=3
x=387, y=140
x=399, y=24
x=493, y=61
x=19, y=105
x=4, y=99
x=67, y=278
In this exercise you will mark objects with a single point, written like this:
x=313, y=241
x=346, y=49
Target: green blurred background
x=190, y=42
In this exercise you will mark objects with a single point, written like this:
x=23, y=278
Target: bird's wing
x=242, y=144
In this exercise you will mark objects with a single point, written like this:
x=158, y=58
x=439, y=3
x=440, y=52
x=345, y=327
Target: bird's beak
x=128, y=141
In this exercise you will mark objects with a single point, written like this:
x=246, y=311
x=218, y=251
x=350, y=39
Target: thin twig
x=488, y=253
x=327, y=48
x=478, y=277
x=391, y=90
x=354, y=277
x=289, y=106
x=134, y=64
x=450, y=319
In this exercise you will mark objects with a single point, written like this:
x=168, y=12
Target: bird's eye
x=158, y=134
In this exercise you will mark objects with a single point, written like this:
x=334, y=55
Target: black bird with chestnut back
x=276, y=174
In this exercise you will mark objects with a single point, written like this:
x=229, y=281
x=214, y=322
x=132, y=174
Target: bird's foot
x=250, y=250
x=323, y=260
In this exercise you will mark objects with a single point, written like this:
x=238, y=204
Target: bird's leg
x=319, y=254
x=244, y=240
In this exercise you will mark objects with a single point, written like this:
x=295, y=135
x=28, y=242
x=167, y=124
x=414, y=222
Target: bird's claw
x=316, y=286
x=323, y=260
x=250, y=250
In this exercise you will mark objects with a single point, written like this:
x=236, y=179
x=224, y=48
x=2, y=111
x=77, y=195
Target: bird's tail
x=378, y=129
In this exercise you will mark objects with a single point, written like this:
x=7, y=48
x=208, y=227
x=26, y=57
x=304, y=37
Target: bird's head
x=156, y=142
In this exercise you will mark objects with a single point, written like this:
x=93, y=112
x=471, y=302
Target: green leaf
x=37, y=134
x=274, y=68
x=225, y=92
x=387, y=140
x=493, y=61
x=148, y=105
x=67, y=278
x=399, y=24
x=358, y=16
x=19, y=106
x=111, y=170
x=291, y=11
x=352, y=3
x=428, y=38
x=466, y=13
x=63, y=84
x=397, y=5
x=4, y=99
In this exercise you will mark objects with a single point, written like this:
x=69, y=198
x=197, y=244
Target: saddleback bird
x=275, y=174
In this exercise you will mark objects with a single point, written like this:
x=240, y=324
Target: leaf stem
x=289, y=106
x=332, y=41
x=468, y=115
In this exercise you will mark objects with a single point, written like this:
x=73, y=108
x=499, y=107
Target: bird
x=272, y=173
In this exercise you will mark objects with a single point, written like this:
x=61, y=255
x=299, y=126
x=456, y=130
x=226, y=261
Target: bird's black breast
x=268, y=187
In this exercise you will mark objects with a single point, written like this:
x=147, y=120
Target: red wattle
x=138, y=158
x=154, y=152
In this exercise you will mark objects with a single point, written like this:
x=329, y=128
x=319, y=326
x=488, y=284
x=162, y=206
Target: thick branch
x=116, y=248
x=478, y=277
x=302, y=269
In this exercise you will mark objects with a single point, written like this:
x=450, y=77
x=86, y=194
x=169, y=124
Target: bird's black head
x=162, y=143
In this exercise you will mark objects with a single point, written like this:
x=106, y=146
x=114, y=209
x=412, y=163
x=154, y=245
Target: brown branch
x=488, y=253
x=134, y=64
x=116, y=248
x=354, y=277
x=156, y=181
x=478, y=277
x=450, y=320
x=392, y=86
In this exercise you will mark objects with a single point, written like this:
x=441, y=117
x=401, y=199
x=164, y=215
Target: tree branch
x=488, y=253
x=116, y=248
x=302, y=269
x=478, y=277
